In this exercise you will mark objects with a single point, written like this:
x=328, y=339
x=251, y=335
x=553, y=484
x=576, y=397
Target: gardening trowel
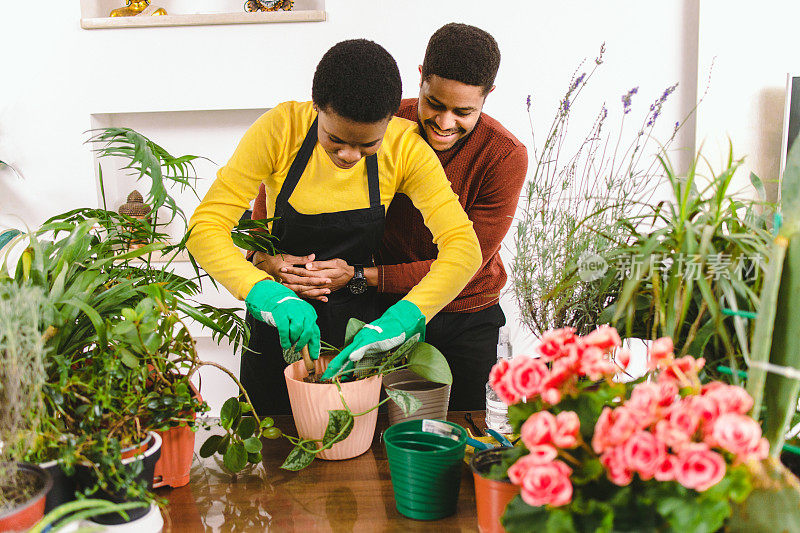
x=310, y=367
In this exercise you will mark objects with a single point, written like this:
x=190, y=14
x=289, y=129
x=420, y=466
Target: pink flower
x=539, y=428
x=541, y=455
x=643, y=453
x=613, y=427
x=706, y=408
x=547, y=485
x=738, y=434
x=680, y=370
x=665, y=471
x=729, y=398
x=671, y=435
x=498, y=379
x=644, y=403
x=551, y=396
x=566, y=434
x=699, y=468
x=593, y=363
x=526, y=375
x=623, y=358
x=562, y=371
x=683, y=418
x=553, y=343
x=604, y=337
x=617, y=470
x=668, y=393
x=661, y=350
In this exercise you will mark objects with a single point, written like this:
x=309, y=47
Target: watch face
x=357, y=285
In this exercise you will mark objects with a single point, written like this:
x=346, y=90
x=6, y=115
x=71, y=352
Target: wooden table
x=339, y=496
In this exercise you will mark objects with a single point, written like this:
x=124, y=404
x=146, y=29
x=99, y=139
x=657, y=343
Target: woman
x=330, y=168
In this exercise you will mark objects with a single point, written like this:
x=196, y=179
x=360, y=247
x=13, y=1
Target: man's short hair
x=462, y=53
x=358, y=80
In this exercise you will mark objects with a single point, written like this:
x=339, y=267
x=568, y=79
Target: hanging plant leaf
x=235, y=457
x=429, y=363
x=246, y=427
x=252, y=445
x=354, y=325
x=230, y=410
x=340, y=424
x=210, y=446
x=298, y=459
x=405, y=400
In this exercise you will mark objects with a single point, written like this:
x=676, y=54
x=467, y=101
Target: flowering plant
x=664, y=452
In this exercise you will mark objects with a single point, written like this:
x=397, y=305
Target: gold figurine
x=138, y=7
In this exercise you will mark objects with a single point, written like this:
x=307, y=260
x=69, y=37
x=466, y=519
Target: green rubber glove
x=296, y=320
x=399, y=323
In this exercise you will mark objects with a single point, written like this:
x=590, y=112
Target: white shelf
x=202, y=20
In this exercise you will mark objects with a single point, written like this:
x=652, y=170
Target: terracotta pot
x=311, y=402
x=136, y=449
x=434, y=396
x=23, y=516
x=174, y=467
x=491, y=496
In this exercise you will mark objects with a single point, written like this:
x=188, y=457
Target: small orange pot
x=173, y=468
x=23, y=516
x=491, y=496
x=312, y=401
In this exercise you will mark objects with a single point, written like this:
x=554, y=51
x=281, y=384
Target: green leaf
x=224, y=443
x=246, y=427
x=298, y=459
x=522, y=518
x=230, y=410
x=560, y=521
x=759, y=187
x=340, y=424
x=254, y=458
x=354, y=325
x=235, y=457
x=7, y=235
x=252, y=445
x=405, y=400
x=128, y=358
x=429, y=363
x=210, y=446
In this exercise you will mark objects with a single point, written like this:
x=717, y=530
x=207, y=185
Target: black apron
x=354, y=236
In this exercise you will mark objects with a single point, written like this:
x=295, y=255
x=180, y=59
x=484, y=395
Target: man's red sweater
x=487, y=170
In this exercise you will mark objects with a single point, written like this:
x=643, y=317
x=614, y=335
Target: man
x=330, y=168
x=486, y=166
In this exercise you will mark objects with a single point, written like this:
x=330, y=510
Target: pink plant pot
x=312, y=401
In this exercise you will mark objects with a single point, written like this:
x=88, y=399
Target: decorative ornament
x=268, y=5
x=134, y=206
x=138, y=7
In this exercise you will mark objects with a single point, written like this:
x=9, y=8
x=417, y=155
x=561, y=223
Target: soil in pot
x=27, y=498
x=85, y=478
x=491, y=495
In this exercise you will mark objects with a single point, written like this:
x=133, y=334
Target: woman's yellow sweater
x=406, y=164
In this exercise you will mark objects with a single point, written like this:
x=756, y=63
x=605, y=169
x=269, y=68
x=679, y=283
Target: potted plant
x=336, y=419
x=23, y=486
x=493, y=490
x=598, y=455
x=581, y=203
x=700, y=256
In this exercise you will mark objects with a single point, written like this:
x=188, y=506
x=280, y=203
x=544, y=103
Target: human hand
x=399, y=323
x=337, y=271
x=303, y=282
x=296, y=320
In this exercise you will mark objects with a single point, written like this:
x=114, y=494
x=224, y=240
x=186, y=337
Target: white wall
x=752, y=47
x=56, y=76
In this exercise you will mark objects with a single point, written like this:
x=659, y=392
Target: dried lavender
x=578, y=205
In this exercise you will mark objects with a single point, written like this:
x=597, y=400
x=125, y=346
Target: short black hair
x=462, y=53
x=358, y=80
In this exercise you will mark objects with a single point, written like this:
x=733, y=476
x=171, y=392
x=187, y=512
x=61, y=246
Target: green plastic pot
x=425, y=463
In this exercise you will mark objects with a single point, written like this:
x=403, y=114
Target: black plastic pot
x=85, y=478
x=63, y=489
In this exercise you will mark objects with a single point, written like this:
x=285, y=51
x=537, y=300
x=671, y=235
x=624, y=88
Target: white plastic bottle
x=496, y=410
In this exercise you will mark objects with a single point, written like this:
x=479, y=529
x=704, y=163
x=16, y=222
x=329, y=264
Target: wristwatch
x=358, y=283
